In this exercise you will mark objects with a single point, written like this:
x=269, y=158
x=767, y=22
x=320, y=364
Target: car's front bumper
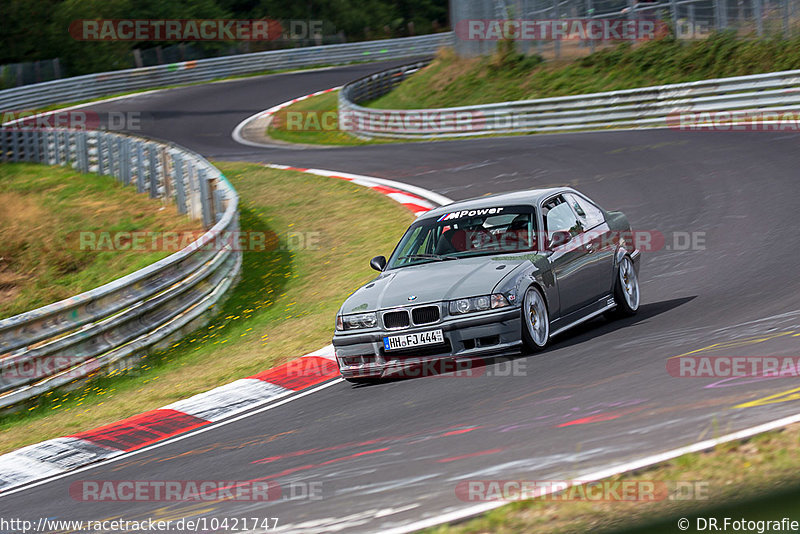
x=362, y=354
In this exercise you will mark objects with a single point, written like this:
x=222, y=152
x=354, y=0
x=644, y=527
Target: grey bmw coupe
x=489, y=276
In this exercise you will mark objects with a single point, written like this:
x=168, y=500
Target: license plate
x=405, y=341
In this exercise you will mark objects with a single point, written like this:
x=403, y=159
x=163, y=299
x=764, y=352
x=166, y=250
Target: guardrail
x=108, y=326
x=103, y=328
x=108, y=83
x=658, y=106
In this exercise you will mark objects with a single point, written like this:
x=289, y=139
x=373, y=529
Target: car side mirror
x=378, y=263
x=559, y=237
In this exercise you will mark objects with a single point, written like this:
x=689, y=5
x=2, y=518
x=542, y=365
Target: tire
x=535, y=321
x=626, y=290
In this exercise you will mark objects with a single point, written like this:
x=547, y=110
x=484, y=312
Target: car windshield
x=458, y=234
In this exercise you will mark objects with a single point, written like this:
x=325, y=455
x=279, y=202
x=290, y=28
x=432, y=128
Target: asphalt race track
x=391, y=454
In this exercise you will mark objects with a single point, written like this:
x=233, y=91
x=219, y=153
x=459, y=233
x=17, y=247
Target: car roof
x=530, y=196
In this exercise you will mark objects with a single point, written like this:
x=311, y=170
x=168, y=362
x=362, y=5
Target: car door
x=566, y=259
x=598, y=269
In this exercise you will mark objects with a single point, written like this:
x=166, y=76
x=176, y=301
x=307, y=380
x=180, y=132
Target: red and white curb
x=60, y=455
x=416, y=199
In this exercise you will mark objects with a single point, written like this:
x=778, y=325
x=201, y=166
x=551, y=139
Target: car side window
x=558, y=216
x=588, y=214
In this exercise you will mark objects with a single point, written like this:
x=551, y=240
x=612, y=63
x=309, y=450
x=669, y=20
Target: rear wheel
x=535, y=320
x=626, y=289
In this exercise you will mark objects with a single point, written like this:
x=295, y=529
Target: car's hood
x=432, y=282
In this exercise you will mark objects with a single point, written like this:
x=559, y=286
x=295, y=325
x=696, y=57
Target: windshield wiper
x=435, y=257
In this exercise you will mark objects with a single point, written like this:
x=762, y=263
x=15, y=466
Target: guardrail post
x=36, y=140
x=166, y=172
x=140, y=183
x=180, y=186
x=46, y=147
x=126, y=160
x=14, y=146
x=121, y=163
x=3, y=144
x=57, y=143
x=673, y=9
x=785, y=9
x=758, y=13
x=101, y=147
x=63, y=142
x=590, y=15
x=720, y=14
x=93, y=150
x=111, y=147
x=557, y=42
x=205, y=199
x=83, y=152
x=192, y=190
x=72, y=139
x=153, y=164
x=218, y=207
x=29, y=144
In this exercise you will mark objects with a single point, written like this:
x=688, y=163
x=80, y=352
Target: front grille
x=396, y=319
x=425, y=314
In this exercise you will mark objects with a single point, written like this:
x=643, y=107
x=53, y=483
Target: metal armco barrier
x=103, y=328
x=657, y=106
x=109, y=83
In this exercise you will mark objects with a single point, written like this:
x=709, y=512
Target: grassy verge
x=506, y=76
x=739, y=476
x=453, y=81
x=312, y=121
x=45, y=209
x=283, y=306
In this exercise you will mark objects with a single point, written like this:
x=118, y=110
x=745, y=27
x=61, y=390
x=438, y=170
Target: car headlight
x=476, y=304
x=354, y=322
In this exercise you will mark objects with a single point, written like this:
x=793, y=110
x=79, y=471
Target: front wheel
x=535, y=321
x=626, y=289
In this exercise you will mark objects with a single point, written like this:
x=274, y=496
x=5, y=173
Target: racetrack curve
x=391, y=454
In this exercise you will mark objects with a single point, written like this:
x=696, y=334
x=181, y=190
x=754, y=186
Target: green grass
x=305, y=122
x=283, y=306
x=451, y=81
x=746, y=477
x=44, y=209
